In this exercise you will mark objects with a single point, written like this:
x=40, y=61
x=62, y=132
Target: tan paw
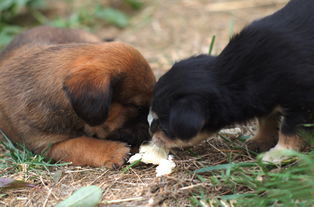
x=276, y=155
x=86, y=151
x=116, y=155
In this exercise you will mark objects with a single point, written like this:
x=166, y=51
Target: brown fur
x=291, y=142
x=160, y=138
x=266, y=135
x=96, y=152
x=116, y=117
x=55, y=83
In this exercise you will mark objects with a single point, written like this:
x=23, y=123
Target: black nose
x=154, y=126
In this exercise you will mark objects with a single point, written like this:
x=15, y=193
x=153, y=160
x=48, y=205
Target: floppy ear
x=187, y=118
x=90, y=94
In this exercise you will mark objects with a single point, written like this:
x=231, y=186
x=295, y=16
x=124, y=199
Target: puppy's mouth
x=161, y=139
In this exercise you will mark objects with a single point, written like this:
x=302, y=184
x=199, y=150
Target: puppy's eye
x=166, y=131
x=136, y=107
x=140, y=108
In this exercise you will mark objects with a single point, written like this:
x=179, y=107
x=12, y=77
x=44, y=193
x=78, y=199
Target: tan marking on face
x=161, y=139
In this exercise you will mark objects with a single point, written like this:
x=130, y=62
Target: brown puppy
x=59, y=87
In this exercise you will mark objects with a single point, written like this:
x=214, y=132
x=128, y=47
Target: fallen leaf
x=87, y=196
x=56, y=176
x=10, y=183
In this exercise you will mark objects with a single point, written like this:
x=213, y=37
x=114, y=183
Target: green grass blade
x=127, y=168
x=211, y=46
x=225, y=166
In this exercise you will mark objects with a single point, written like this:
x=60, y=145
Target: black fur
x=269, y=63
x=134, y=132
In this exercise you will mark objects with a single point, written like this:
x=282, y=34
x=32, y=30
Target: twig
x=75, y=171
x=230, y=150
x=192, y=186
x=46, y=201
x=98, y=177
x=217, y=149
x=109, y=187
x=125, y=200
x=137, y=176
x=241, y=4
x=49, y=189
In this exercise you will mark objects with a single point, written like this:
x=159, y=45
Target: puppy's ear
x=187, y=118
x=90, y=94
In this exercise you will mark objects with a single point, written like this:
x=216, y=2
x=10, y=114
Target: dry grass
x=136, y=187
x=164, y=32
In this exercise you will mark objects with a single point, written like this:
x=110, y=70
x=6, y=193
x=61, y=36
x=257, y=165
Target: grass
x=259, y=184
x=220, y=172
x=211, y=46
x=19, y=159
x=262, y=187
x=88, y=15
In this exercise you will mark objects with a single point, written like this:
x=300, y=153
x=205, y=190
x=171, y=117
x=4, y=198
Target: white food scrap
x=165, y=167
x=150, y=154
x=136, y=157
x=231, y=132
x=157, y=155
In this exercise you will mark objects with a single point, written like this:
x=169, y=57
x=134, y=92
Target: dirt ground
x=164, y=31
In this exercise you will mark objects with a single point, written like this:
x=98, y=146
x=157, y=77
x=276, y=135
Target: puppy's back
x=18, y=63
x=46, y=35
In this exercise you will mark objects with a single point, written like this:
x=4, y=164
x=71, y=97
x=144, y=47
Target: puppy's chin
x=161, y=139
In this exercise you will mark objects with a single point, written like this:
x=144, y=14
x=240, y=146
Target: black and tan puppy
x=265, y=72
x=60, y=87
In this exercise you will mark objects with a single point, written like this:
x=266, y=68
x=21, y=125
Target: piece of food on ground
x=154, y=154
x=165, y=167
x=231, y=131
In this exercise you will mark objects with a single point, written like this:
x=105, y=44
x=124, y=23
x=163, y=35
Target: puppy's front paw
x=116, y=154
x=86, y=151
x=276, y=155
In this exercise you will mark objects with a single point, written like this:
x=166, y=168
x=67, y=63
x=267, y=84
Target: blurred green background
x=16, y=15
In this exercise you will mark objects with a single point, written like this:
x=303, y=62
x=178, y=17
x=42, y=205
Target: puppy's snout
x=160, y=138
x=154, y=126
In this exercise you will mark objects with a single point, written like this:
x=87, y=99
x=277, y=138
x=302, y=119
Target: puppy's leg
x=288, y=138
x=86, y=151
x=286, y=142
x=267, y=133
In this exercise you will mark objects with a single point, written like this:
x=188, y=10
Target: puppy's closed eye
x=90, y=94
x=186, y=118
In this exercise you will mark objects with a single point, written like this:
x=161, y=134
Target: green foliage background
x=14, y=13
